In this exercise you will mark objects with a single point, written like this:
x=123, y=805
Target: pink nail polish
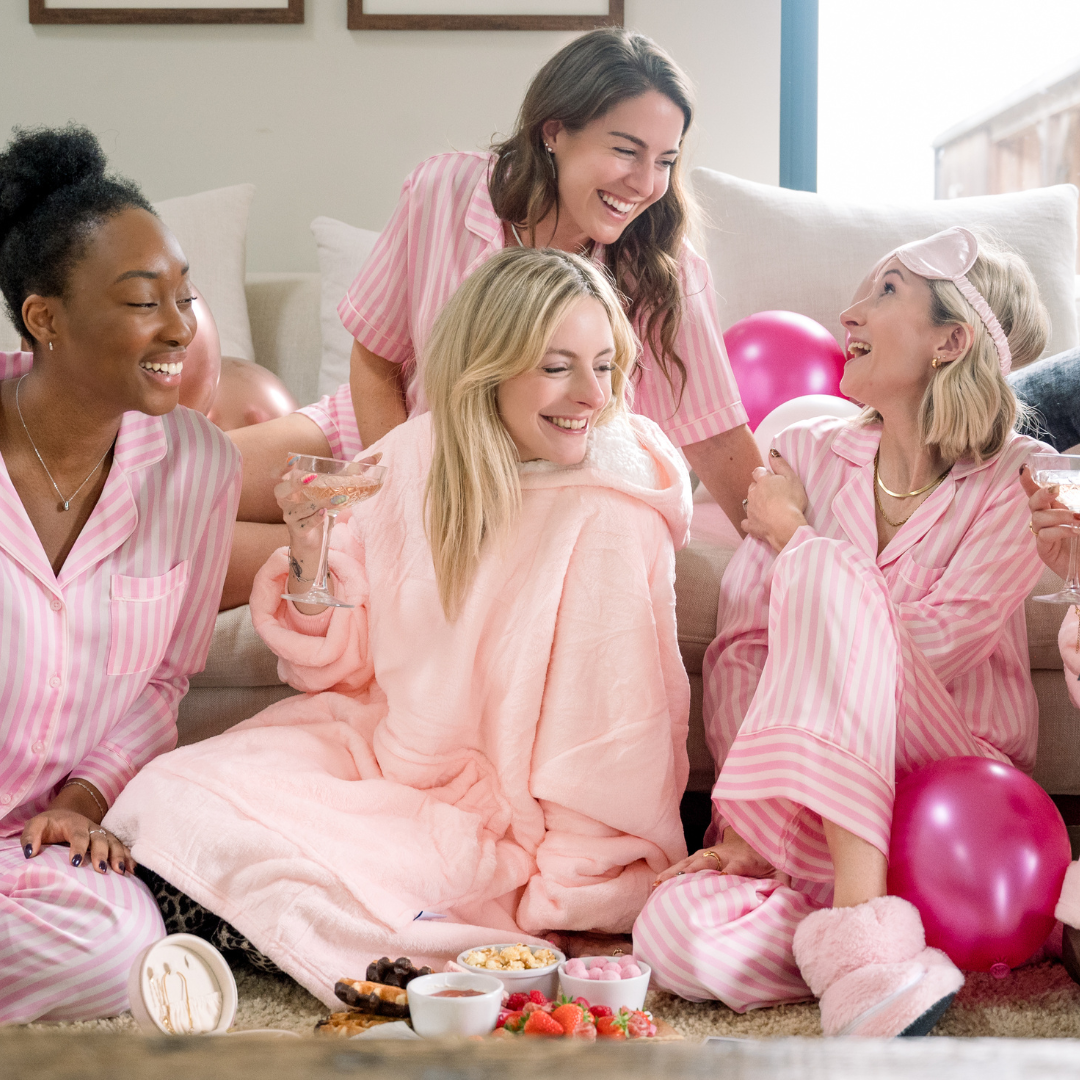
x=308, y=479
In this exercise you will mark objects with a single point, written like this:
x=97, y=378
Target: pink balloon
x=202, y=362
x=981, y=850
x=780, y=355
x=248, y=394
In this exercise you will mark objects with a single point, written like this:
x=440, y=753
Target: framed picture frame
x=68, y=12
x=484, y=14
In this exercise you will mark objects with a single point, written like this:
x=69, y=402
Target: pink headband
x=948, y=256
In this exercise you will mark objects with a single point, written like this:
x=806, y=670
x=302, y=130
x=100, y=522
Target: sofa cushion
x=238, y=656
x=212, y=229
x=343, y=249
x=773, y=248
x=285, y=329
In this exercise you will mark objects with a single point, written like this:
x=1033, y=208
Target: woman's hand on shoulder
x=1052, y=524
x=88, y=842
x=775, y=504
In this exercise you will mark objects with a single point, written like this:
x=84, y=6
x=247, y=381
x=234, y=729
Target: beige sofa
x=241, y=674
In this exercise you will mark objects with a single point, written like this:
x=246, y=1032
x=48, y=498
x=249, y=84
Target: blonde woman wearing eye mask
x=496, y=732
x=871, y=624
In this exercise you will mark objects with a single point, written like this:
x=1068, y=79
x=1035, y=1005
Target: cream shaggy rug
x=1038, y=1001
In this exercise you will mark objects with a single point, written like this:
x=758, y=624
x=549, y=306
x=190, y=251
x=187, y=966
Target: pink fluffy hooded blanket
x=517, y=770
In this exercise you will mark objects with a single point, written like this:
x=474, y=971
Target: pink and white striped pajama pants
x=844, y=704
x=68, y=936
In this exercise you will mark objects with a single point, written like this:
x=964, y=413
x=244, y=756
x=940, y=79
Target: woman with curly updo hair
x=116, y=507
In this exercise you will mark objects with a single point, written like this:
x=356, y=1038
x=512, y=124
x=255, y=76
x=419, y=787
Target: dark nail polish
x=123, y=867
x=76, y=861
x=28, y=850
x=103, y=866
x=1022, y=468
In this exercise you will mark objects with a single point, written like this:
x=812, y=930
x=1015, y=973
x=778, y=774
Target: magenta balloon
x=780, y=355
x=981, y=850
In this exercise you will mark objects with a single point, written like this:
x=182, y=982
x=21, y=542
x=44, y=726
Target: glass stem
x=1073, y=583
x=324, y=569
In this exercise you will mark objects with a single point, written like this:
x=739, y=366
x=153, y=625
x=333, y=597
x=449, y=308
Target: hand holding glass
x=332, y=485
x=1062, y=471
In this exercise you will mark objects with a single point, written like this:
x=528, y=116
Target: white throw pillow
x=773, y=248
x=343, y=249
x=212, y=230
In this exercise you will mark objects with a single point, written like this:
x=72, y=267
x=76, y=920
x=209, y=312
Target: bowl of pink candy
x=613, y=981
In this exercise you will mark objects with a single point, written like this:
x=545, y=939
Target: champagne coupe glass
x=333, y=485
x=1062, y=471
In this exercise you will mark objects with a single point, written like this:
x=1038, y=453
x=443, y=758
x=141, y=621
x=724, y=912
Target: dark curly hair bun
x=54, y=191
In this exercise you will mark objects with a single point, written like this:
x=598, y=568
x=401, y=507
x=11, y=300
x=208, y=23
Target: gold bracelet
x=90, y=791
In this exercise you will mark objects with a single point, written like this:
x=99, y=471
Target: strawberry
x=516, y=1002
x=578, y=1001
x=568, y=1017
x=639, y=1025
x=503, y=1014
x=608, y=1027
x=531, y=1007
x=515, y=1022
x=542, y=1023
x=537, y=998
x=599, y=1010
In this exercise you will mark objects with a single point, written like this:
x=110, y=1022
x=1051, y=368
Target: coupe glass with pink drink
x=1062, y=471
x=332, y=485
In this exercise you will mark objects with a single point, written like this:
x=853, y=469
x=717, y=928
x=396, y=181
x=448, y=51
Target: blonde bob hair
x=495, y=327
x=968, y=408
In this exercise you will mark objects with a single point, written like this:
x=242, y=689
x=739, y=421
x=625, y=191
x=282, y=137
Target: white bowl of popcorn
x=520, y=968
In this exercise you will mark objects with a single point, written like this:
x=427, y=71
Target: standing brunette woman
x=593, y=168
x=115, y=514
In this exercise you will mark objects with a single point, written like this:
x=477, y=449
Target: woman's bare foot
x=590, y=943
x=733, y=856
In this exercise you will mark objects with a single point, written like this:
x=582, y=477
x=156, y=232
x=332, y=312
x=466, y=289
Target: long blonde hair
x=968, y=408
x=495, y=327
x=580, y=83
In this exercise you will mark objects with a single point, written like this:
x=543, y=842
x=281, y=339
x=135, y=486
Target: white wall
x=325, y=120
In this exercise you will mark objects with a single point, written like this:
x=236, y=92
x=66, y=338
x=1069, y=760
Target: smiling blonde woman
x=496, y=731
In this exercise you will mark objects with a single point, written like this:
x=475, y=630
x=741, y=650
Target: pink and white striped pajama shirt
x=443, y=228
x=836, y=672
x=96, y=660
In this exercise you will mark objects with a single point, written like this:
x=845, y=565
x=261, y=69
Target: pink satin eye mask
x=948, y=256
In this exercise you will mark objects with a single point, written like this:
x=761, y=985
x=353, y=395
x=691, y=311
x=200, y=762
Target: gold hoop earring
x=938, y=361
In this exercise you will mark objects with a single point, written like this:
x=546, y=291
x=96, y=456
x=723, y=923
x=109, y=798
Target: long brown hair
x=579, y=84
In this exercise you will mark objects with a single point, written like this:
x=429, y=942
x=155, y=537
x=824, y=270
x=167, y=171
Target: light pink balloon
x=202, y=361
x=248, y=394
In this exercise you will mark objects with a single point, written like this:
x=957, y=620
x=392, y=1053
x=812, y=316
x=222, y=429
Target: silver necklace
x=513, y=229
x=65, y=503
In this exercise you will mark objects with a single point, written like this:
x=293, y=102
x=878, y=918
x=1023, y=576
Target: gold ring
x=710, y=854
x=1034, y=531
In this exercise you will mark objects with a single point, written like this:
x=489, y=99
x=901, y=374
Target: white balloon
x=808, y=407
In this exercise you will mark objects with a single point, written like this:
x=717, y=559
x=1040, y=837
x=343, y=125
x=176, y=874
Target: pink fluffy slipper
x=871, y=970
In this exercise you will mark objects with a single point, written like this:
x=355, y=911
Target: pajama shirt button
x=5, y=799
x=54, y=682
x=38, y=747
x=56, y=605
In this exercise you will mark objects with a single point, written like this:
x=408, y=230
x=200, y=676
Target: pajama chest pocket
x=144, y=612
x=919, y=578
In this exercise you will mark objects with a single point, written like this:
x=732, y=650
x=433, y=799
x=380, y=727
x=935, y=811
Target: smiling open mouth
x=616, y=204
x=858, y=348
x=175, y=368
x=565, y=423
